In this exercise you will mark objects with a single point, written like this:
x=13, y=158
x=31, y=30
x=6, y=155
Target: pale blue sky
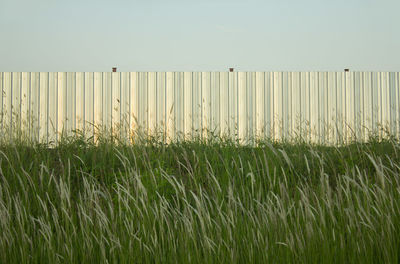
x=208, y=35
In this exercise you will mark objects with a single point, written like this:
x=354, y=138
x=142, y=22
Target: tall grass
x=199, y=202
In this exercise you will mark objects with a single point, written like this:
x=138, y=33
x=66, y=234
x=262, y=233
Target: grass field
x=199, y=202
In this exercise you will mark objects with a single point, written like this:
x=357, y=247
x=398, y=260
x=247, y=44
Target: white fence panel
x=321, y=107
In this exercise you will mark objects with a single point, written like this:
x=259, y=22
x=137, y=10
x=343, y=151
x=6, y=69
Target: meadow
x=203, y=201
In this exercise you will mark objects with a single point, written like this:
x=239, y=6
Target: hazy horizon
x=310, y=35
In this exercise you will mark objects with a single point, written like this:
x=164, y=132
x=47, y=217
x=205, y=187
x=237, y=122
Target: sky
x=207, y=35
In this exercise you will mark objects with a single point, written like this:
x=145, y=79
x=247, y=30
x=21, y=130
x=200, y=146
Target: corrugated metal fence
x=322, y=107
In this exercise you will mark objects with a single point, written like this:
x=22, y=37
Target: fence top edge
x=7, y=72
